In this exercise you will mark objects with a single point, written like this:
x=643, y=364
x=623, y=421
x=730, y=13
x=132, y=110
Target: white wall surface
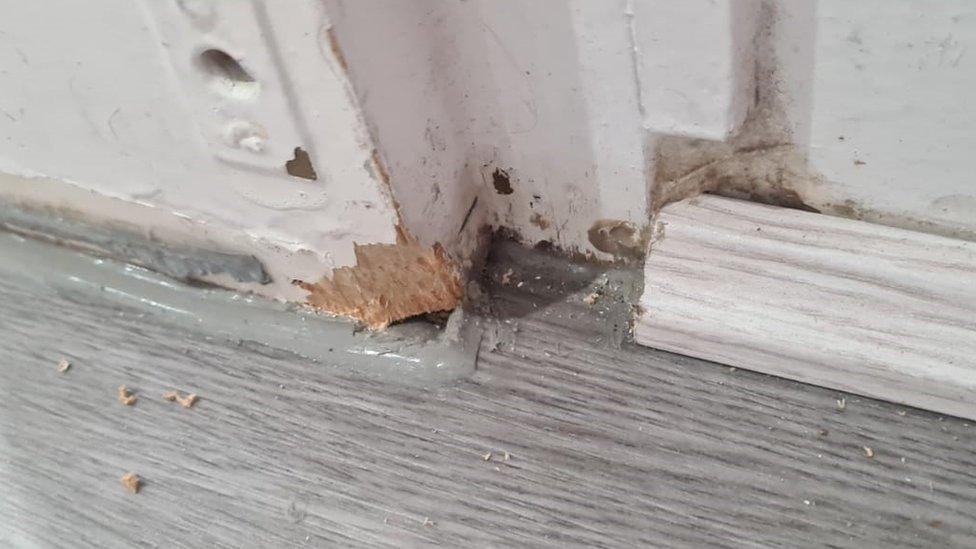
x=112, y=98
x=696, y=60
x=893, y=130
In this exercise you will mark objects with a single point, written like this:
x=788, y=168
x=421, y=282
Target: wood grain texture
x=846, y=304
x=609, y=446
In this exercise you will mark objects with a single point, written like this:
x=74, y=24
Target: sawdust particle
x=842, y=404
x=185, y=401
x=132, y=482
x=126, y=397
x=427, y=522
x=505, y=456
x=486, y=457
x=63, y=366
x=591, y=299
x=868, y=452
x=507, y=277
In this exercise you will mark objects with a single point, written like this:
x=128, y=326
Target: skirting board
x=850, y=305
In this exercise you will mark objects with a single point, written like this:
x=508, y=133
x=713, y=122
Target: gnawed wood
x=390, y=282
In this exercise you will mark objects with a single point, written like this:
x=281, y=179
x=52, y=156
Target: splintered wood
x=390, y=282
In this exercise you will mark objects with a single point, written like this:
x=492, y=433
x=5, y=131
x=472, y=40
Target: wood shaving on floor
x=125, y=396
x=868, y=452
x=63, y=366
x=132, y=482
x=185, y=401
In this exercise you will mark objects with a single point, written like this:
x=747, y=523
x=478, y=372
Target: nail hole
x=301, y=165
x=227, y=76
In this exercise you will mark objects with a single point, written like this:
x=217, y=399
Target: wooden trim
x=865, y=308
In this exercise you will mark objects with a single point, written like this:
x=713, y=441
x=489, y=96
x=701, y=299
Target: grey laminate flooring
x=561, y=438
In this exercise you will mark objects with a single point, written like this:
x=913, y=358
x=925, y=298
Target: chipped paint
x=390, y=282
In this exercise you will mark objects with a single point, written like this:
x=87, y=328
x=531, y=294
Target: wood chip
x=868, y=452
x=842, y=404
x=63, y=366
x=505, y=456
x=126, y=397
x=188, y=401
x=185, y=401
x=486, y=457
x=132, y=482
x=427, y=522
x=591, y=299
x=507, y=277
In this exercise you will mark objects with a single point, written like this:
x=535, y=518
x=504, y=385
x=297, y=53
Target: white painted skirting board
x=865, y=308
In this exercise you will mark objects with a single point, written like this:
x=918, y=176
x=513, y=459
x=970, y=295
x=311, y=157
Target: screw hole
x=227, y=76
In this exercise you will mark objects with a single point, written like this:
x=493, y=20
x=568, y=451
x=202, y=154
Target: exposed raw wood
x=865, y=308
x=390, y=282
